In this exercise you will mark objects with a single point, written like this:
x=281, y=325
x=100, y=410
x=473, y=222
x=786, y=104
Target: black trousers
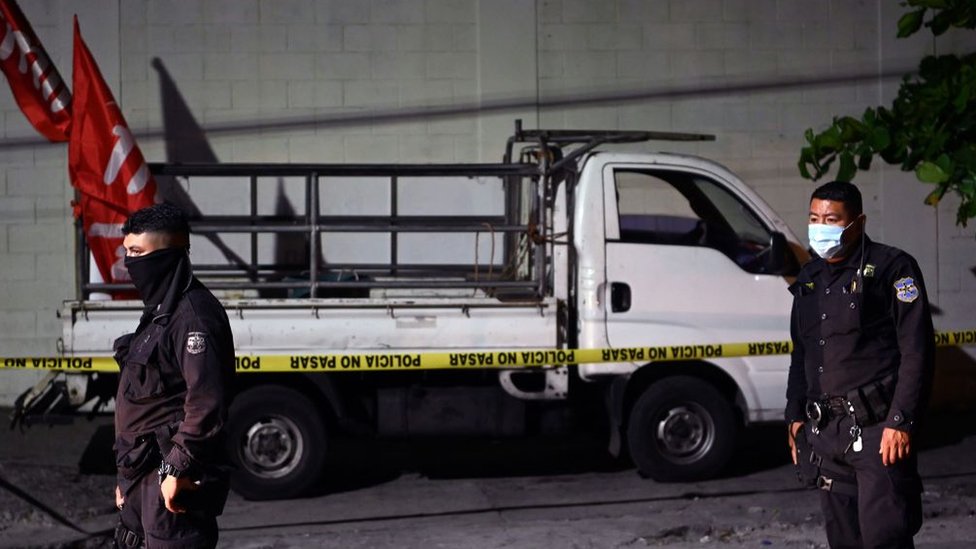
x=145, y=514
x=886, y=511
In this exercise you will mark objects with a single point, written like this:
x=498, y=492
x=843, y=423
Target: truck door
x=685, y=264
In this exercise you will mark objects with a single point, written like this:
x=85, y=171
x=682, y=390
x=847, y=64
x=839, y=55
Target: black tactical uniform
x=171, y=405
x=862, y=360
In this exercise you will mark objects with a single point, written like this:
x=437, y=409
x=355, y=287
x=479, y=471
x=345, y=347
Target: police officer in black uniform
x=860, y=374
x=173, y=394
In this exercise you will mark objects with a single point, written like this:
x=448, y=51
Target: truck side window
x=676, y=208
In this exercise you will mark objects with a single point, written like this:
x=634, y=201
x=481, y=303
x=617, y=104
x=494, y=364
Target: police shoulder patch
x=196, y=343
x=905, y=289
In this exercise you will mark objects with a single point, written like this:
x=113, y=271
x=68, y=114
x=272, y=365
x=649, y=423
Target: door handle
x=619, y=297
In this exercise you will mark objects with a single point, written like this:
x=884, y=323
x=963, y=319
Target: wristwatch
x=167, y=469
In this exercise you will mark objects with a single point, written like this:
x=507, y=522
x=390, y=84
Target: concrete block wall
x=728, y=67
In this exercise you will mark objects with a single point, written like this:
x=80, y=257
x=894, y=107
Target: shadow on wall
x=186, y=143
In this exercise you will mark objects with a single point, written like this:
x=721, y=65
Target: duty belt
x=821, y=411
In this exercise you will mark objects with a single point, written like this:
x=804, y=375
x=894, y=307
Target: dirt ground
x=560, y=492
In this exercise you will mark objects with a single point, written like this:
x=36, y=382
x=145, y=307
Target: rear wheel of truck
x=681, y=429
x=277, y=442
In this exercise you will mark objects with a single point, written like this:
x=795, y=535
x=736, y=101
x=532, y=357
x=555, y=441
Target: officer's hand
x=171, y=488
x=119, y=500
x=792, y=430
x=895, y=446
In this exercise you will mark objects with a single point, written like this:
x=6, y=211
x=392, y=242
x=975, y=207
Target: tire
x=277, y=443
x=680, y=429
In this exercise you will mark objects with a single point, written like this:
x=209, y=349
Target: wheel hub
x=684, y=433
x=272, y=447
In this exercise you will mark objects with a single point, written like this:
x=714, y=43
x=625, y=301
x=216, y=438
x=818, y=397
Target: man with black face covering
x=174, y=390
x=861, y=369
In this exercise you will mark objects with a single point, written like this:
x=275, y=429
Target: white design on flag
x=47, y=81
x=105, y=230
x=120, y=152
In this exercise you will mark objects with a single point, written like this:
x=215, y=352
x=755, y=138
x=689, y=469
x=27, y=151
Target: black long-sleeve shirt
x=849, y=331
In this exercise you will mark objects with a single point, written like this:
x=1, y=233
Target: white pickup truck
x=563, y=245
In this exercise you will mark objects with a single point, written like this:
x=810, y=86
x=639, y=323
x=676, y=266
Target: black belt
x=827, y=408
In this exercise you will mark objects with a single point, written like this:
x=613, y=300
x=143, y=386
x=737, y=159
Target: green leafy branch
x=930, y=127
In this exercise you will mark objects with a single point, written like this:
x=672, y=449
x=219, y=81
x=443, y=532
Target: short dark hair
x=158, y=218
x=841, y=191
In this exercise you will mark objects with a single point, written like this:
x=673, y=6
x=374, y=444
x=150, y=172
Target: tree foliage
x=930, y=128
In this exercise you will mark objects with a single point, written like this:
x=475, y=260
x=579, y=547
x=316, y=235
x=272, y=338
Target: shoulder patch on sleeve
x=196, y=342
x=905, y=289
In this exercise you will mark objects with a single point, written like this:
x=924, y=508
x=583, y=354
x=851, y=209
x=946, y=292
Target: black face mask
x=155, y=273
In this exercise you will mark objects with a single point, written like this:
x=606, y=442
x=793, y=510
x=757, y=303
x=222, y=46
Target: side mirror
x=776, y=256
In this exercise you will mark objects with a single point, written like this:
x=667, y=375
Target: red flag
x=36, y=84
x=105, y=164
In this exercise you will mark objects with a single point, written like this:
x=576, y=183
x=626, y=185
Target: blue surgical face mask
x=825, y=239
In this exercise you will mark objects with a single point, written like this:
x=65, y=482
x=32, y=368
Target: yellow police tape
x=461, y=360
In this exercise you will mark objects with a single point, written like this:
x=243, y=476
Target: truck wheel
x=277, y=443
x=681, y=429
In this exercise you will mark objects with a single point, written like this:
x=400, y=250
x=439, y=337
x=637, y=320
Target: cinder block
x=438, y=37
x=746, y=116
x=803, y=10
x=328, y=38
x=368, y=148
x=454, y=126
x=374, y=93
x=832, y=35
x=451, y=65
x=49, y=326
x=754, y=11
x=302, y=37
x=3, y=238
x=55, y=209
x=643, y=11
x=450, y=11
x=229, y=66
x=19, y=295
x=466, y=149
x=644, y=65
x=426, y=148
x=644, y=116
x=551, y=11
x=264, y=95
x=803, y=63
x=17, y=210
x=317, y=148
x=35, y=181
x=342, y=12
x=37, y=238
x=396, y=12
x=465, y=38
x=697, y=64
x=591, y=65
x=396, y=65
x=231, y=12
x=696, y=10
x=587, y=11
x=55, y=267
x=614, y=37
x=551, y=64
x=290, y=66
x=780, y=36
x=259, y=38
x=744, y=62
x=184, y=66
x=314, y=94
x=266, y=149
x=17, y=323
x=342, y=66
x=725, y=35
x=369, y=38
x=698, y=116
x=17, y=266
x=426, y=92
x=175, y=12
x=287, y=11
x=562, y=37
x=669, y=37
